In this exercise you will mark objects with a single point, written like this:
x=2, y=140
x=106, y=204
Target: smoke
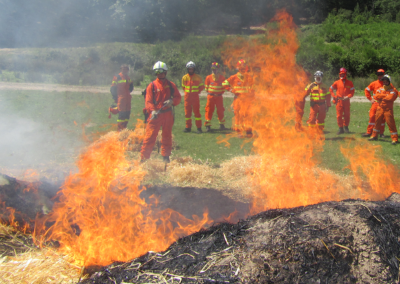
x=31, y=142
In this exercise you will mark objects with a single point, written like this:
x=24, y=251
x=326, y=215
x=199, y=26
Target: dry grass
x=34, y=265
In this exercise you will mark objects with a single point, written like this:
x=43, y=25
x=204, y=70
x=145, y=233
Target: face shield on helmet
x=387, y=79
x=318, y=76
x=160, y=67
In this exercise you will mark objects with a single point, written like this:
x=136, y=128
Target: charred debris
x=351, y=241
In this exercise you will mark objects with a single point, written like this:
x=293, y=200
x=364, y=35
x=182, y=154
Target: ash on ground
x=351, y=241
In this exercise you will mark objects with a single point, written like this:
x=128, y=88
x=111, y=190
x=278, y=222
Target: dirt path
x=103, y=89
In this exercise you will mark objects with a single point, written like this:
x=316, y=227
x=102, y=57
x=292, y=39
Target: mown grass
x=70, y=113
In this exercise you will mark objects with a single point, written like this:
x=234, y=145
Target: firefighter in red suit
x=344, y=91
x=121, y=89
x=161, y=96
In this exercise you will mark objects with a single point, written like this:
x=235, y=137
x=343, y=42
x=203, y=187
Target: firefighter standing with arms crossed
x=320, y=102
x=121, y=89
x=344, y=91
x=385, y=97
x=192, y=85
x=240, y=85
x=161, y=96
x=373, y=87
x=215, y=90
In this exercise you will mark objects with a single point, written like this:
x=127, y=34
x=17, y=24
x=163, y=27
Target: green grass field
x=61, y=117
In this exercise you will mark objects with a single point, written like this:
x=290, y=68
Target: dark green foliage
x=360, y=48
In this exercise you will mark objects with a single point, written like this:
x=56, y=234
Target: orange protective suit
x=121, y=89
x=344, y=91
x=192, y=85
x=241, y=86
x=215, y=90
x=373, y=87
x=320, y=100
x=165, y=119
x=385, y=97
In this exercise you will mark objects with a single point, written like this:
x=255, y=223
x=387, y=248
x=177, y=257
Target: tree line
x=56, y=23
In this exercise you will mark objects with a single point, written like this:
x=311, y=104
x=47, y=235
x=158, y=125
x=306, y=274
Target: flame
x=101, y=218
x=287, y=175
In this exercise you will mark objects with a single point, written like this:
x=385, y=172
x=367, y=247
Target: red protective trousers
x=387, y=114
x=371, y=123
x=212, y=102
x=317, y=116
x=243, y=120
x=343, y=112
x=192, y=102
x=165, y=121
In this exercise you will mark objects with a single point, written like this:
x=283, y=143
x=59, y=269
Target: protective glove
x=154, y=114
x=168, y=103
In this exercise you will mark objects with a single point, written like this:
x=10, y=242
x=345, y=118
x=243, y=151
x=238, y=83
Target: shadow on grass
x=340, y=138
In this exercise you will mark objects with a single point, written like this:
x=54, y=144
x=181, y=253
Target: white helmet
x=190, y=64
x=160, y=67
x=386, y=77
x=318, y=76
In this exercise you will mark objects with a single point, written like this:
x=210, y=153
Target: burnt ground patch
x=351, y=241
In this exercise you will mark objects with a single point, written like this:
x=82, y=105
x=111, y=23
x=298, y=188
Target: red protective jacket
x=344, y=88
x=213, y=84
x=162, y=92
x=239, y=84
x=318, y=93
x=385, y=96
x=192, y=84
x=374, y=86
x=124, y=87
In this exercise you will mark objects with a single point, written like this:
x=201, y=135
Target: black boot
x=199, y=130
x=208, y=128
x=186, y=130
x=395, y=142
x=366, y=135
x=222, y=127
x=341, y=131
x=382, y=136
x=346, y=129
x=375, y=138
x=166, y=159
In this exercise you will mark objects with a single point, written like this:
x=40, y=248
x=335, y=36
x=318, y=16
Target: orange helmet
x=113, y=109
x=242, y=64
x=380, y=72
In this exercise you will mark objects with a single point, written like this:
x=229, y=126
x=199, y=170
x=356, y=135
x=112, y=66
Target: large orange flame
x=288, y=175
x=101, y=218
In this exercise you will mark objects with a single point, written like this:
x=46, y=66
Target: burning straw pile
x=22, y=262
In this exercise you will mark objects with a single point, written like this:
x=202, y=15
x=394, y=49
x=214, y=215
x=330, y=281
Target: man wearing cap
x=344, y=91
x=121, y=89
x=373, y=87
x=215, y=90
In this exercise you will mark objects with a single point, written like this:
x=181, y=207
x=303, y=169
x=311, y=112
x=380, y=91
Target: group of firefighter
x=162, y=95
